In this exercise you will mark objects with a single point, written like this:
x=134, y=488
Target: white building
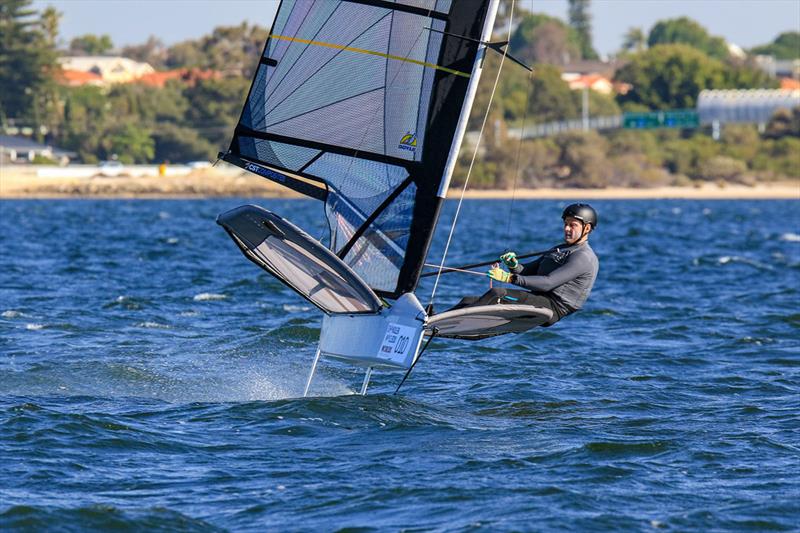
x=16, y=149
x=754, y=106
x=112, y=69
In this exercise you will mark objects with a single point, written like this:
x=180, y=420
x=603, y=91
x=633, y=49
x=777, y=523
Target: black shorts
x=512, y=296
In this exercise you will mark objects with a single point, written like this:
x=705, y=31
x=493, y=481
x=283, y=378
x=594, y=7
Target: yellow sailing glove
x=499, y=274
x=510, y=259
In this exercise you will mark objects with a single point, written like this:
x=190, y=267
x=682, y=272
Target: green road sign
x=674, y=118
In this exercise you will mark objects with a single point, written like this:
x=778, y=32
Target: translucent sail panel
x=378, y=255
x=347, y=74
x=442, y=6
x=357, y=178
x=280, y=155
x=359, y=190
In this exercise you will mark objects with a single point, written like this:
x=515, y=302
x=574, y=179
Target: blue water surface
x=150, y=379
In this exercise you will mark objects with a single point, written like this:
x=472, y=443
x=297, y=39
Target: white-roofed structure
x=754, y=106
x=112, y=69
x=18, y=149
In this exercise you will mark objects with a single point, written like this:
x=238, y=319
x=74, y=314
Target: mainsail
x=356, y=103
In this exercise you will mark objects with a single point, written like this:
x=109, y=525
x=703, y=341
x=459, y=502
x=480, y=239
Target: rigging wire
x=519, y=145
x=408, y=372
x=474, y=156
x=519, y=152
x=453, y=269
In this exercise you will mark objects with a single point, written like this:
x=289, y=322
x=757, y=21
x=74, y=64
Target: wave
x=152, y=325
x=208, y=296
x=726, y=259
x=721, y=260
x=293, y=308
x=127, y=302
x=211, y=378
x=98, y=517
x=790, y=237
x=631, y=448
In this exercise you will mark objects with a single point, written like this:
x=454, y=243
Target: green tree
x=214, y=108
x=634, y=40
x=746, y=75
x=581, y=21
x=132, y=143
x=783, y=123
x=684, y=30
x=543, y=39
x=600, y=105
x=551, y=98
x=584, y=153
x=233, y=50
x=686, y=156
x=670, y=76
x=149, y=105
x=27, y=62
x=176, y=143
x=152, y=52
x=91, y=45
x=785, y=46
x=50, y=20
x=87, y=115
x=504, y=11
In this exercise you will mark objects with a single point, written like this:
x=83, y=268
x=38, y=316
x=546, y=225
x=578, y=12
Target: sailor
x=559, y=280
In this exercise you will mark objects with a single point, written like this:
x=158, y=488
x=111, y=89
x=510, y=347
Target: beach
x=29, y=181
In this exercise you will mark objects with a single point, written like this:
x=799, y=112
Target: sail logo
x=408, y=142
x=261, y=171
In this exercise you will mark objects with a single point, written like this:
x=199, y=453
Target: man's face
x=573, y=228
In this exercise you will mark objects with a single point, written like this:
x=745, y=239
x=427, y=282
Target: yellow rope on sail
x=370, y=52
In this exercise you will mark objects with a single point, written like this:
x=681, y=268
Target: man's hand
x=499, y=274
x=510, y=259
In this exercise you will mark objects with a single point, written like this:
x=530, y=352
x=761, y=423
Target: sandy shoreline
x=22, y=182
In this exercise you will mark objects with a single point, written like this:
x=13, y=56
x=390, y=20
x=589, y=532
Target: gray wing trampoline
x=482, y=321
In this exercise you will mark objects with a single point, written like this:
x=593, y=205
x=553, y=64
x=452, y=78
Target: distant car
x=198, y=164
x=111, y=169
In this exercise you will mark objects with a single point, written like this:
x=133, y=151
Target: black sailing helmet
x=583, y=212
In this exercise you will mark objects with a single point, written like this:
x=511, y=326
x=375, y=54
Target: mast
x=472, y=89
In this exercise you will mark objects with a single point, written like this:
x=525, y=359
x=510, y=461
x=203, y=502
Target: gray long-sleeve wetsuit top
x=566, y=275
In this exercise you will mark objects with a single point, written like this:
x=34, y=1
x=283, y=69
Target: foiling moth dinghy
x=357, y=327
x=362, y=105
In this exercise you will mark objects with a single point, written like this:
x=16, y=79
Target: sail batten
x=323, y=147
x=364, y=97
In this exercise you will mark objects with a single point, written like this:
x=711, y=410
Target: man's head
x=579, y=221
